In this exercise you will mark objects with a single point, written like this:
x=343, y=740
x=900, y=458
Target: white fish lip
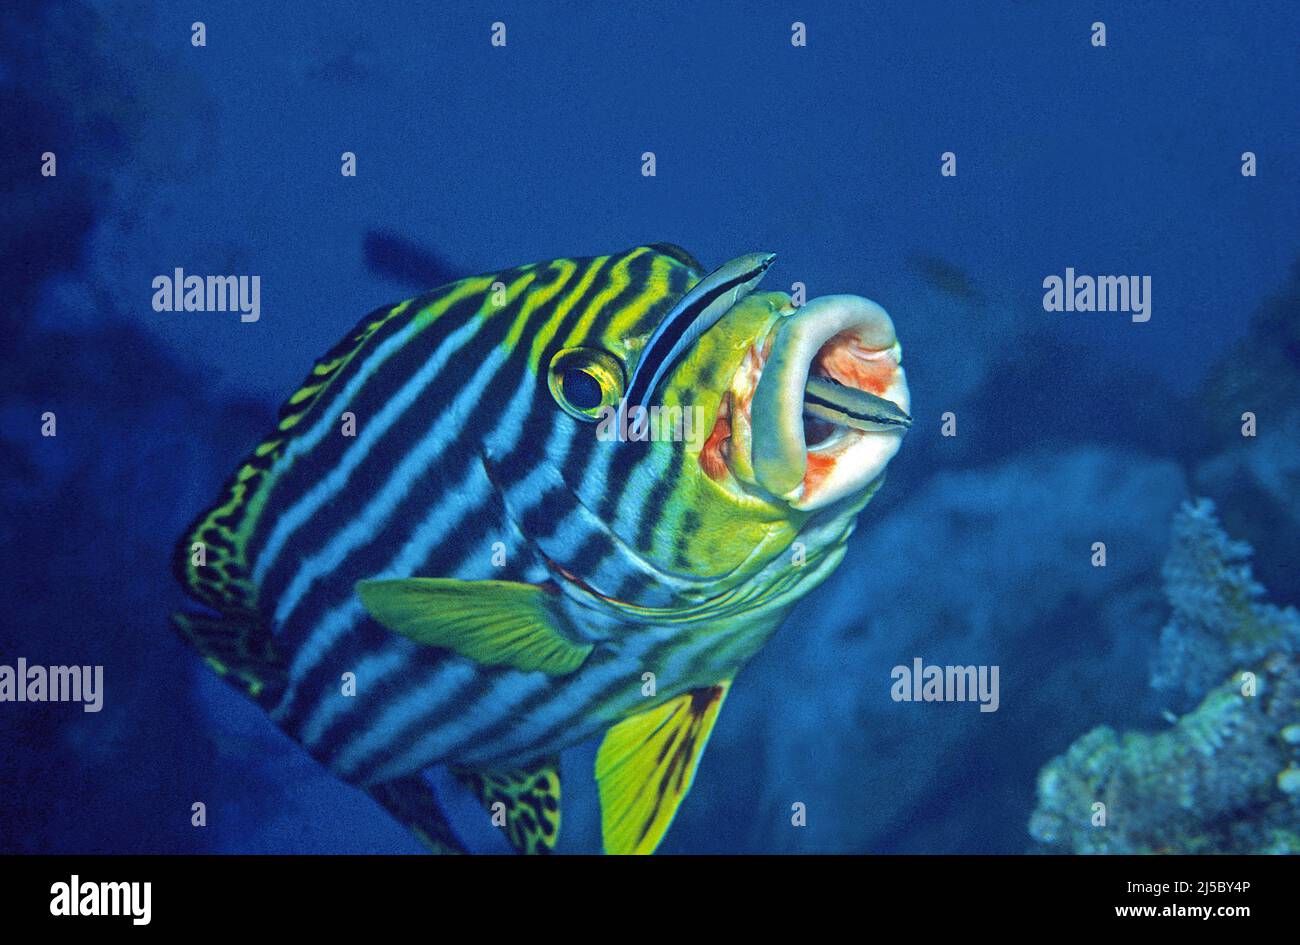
x=858, y=335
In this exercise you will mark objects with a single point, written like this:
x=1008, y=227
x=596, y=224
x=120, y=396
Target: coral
x=1225, y=778
x=1221, y=780
x=1219, y=620
x=1256, y=479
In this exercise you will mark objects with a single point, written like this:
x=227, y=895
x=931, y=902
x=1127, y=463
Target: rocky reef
x=1254, y=480
x=1225, y=778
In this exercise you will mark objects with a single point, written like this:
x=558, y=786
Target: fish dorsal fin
x=495, y=623
x=219, y=575
x=646, y=764
x=530, y=799
x=239, y=648
x=411, y=800
x=681, y=255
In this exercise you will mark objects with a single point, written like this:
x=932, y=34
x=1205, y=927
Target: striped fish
x=441, y=555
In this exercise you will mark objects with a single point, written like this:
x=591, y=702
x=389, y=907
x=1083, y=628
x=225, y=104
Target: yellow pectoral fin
x=647, y=763
x=496, y=623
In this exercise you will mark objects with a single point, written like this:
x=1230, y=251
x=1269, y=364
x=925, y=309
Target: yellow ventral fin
x=530, y=799
x=647, y=763
x=496, y=623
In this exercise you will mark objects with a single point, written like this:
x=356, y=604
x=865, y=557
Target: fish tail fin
x=239, y=648
x=412, y=802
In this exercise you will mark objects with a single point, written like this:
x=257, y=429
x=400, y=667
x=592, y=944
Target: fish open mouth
x=819, y=406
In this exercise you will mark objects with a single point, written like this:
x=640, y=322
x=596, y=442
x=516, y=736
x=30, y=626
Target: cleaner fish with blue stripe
x=436, y=558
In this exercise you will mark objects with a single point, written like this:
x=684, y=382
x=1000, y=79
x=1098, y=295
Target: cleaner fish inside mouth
x=828, y=400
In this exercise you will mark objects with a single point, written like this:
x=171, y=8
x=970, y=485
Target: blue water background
x=1073, y=428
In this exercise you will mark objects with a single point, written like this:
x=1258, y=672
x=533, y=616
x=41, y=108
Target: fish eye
x=581, y=390
x=584, y=381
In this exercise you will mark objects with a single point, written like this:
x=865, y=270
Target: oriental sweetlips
x=439, y=556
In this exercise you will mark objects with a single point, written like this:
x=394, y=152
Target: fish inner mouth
x=843, y=391
x=819, y=434
x=818, y=406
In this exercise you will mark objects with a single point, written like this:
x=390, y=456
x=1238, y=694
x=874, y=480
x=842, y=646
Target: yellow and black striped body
x=462, y=467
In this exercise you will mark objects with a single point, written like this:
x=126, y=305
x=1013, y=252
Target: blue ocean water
x=1072, y=427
